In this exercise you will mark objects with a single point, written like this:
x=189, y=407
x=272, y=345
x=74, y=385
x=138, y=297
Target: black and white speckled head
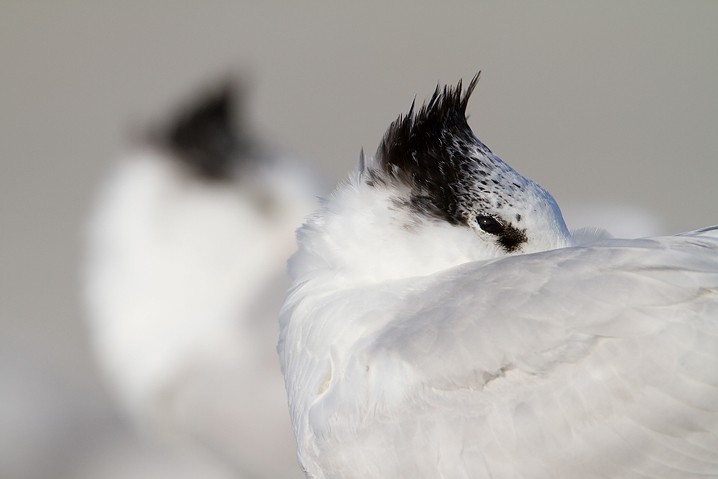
x=447, y=174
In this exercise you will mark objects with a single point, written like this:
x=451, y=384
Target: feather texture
x=598, y=361
x=418, y=343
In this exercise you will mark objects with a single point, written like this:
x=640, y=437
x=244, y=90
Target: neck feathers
x=364, y=234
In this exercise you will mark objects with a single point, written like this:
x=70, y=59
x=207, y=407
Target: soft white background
x=597, y=101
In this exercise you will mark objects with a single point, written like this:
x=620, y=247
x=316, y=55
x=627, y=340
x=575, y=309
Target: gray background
x=609, y=100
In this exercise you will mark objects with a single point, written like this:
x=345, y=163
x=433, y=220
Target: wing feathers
x=588, y=362
x=591, y=362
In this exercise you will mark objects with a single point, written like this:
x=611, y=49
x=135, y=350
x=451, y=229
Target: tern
x=184, y=278
x=444, y=322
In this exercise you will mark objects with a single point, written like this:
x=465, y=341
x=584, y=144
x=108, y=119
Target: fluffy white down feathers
x=480, y=339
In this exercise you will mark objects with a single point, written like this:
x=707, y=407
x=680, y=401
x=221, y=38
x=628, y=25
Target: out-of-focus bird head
x=211, y=138
x=206, y=136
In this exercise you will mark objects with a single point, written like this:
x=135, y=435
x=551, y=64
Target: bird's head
x=450, y=175
x=211, y=141
x=441, y=197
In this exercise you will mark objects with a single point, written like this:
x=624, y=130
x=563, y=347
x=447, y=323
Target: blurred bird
x=444, y=322
x=184, y=279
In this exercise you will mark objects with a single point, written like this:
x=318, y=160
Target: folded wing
x=597, y=361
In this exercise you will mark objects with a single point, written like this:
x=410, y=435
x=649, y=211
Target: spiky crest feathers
x=444, y=113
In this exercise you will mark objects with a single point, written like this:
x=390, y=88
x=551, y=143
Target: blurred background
x=610, y=105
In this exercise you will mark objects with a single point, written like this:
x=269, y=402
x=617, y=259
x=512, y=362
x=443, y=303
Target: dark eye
x=489, y=224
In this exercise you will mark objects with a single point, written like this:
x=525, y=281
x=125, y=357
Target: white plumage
x=184, y=279
x=443, y=322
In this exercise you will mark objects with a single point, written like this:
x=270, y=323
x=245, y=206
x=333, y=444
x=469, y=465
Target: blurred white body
x=183, y=281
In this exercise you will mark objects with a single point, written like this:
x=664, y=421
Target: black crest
x=206, y=135
x=427, y=151
x=449, y=173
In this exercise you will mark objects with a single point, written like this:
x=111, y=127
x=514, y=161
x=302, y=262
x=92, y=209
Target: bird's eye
x=489, y=224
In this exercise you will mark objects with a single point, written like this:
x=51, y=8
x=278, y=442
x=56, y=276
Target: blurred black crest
x=206, y=135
